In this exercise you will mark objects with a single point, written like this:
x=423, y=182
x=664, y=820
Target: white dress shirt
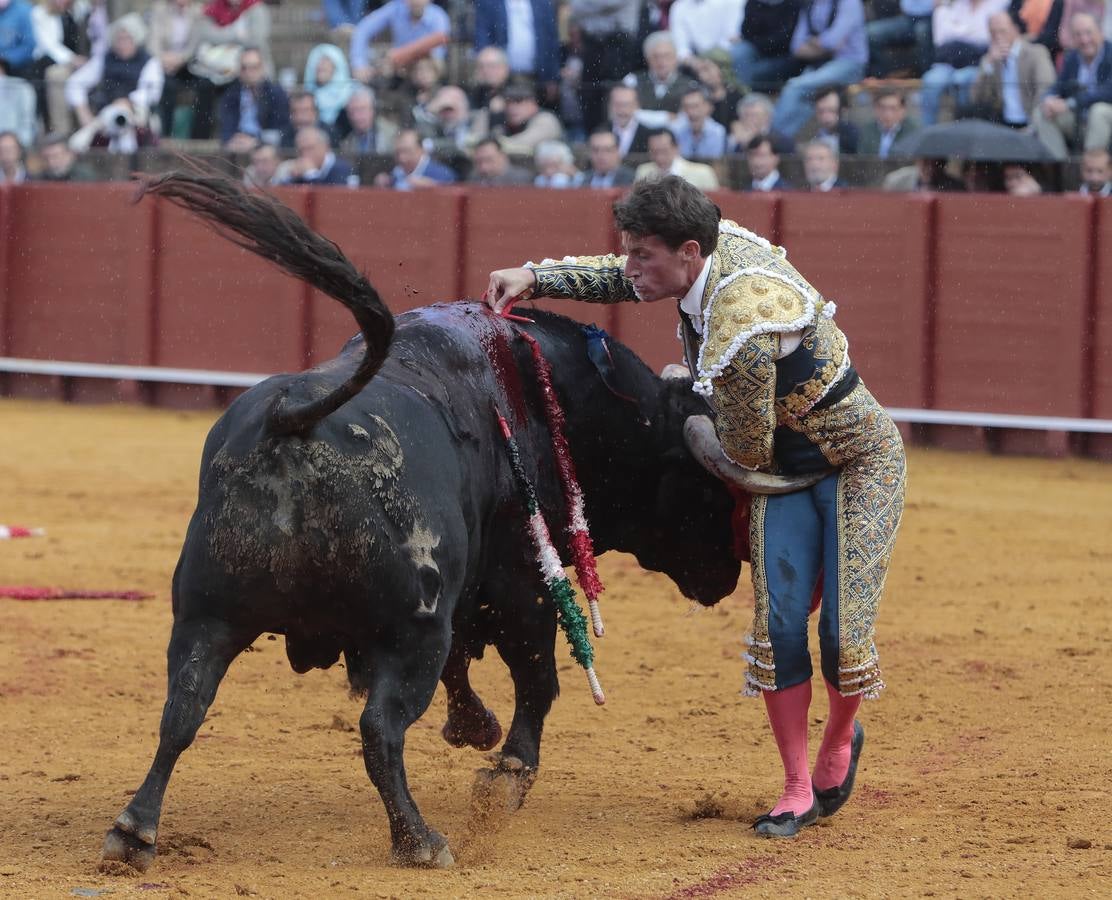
x=1014, y=113
x=521, y=45
x=701, y=25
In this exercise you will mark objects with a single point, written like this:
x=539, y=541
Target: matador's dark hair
x=671, y=209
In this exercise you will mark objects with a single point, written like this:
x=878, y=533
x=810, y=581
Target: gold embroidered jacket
x=797, y=413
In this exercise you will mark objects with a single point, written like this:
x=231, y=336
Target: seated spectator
x=369, y=132
x=829, y=41
x=316, y=164
x=174, y=39
x=59, y=46
x=17, y=37
x=125, y=71
x=697, y=134
x=414, y=169
x=763, y=57
x=492, y=73
x=820, y=167
x=716, y=74
x=303, y=114
x=890, y=124
x=59, y=162
x=328, y=79
x=698, y=26
x=555, y=166
x=1078, y=109
x=754, y=119
x=525, y=30
x=407, y=21
x=911, y=28
x=421, y=82
x=926, y=175
x=492, y=167
x=960, y=32
x=228, y=28
x=254, y=109
x=606, y=170
x=1019, y=182
x=526, y=123
x=623, y=109
x=17, y=106
x=660, y=87
x=1096, y=174
x=666, y=160
x=828, y=126
x=1013, y=77
x=764, y=166
x=449, y=132
x=608, y=48
x=11, y=159
x=266, y=167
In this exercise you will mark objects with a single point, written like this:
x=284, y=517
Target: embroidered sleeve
x=597, y=279
x=745, y=400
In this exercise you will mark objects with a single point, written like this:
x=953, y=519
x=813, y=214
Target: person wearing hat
x=526, y=124
x=125, y=72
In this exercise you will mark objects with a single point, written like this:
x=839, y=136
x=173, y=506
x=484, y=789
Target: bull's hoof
x=502, y=788
x=468, y=729
x=122, y=847
x=431, y=853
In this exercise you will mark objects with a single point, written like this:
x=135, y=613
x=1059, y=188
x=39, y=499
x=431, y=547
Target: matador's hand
x=509, y=285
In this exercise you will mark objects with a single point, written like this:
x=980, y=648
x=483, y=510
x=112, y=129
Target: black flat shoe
x=830, y=800
x=786, y=824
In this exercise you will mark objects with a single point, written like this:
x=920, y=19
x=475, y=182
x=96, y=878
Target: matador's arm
x=596, y=279
x=745, y=399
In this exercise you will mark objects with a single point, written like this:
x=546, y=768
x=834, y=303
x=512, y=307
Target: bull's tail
x=262, y=224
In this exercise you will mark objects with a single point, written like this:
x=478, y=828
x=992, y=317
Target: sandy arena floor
x=986, y=771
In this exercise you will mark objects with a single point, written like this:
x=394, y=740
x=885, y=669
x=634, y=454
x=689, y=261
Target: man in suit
x=1014, y=75
x=764, y=166
x=890, y=124
x=666, y=160
x=661, y=87
x=828, y=125
x=492, y=167
x=370, y=133
x=415, y=169
x=253, y=109
x=526, y=31
x=632, y=136
x=820, y=167
x=1080, y=103
x=696, y=132
x=316, y=164
x=606, y=169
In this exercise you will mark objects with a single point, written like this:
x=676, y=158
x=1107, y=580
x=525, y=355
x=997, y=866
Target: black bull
x=377, y=517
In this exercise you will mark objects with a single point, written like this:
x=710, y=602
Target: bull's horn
x=674, y=370
x=698, y=434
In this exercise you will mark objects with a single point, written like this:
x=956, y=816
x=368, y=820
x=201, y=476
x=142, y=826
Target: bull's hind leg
x=401, y=675
x=198, y=656
x=470, y=723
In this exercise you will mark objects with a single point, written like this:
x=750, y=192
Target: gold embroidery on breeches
x=761, y=672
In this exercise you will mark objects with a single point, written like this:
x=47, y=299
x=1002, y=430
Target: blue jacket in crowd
x=492, y=27
x=1068, y=88
x=17, y=36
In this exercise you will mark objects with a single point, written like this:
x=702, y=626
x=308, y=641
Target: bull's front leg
x=199, y=654
x=401, y=680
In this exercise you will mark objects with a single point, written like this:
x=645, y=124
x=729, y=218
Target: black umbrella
x=973, y=139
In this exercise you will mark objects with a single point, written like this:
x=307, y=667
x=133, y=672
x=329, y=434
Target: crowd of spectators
x=557, y=93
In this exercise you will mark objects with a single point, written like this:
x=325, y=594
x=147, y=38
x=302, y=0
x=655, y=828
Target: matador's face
x=657, y=271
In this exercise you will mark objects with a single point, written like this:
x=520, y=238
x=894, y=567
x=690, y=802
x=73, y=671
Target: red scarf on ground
x=224, y=13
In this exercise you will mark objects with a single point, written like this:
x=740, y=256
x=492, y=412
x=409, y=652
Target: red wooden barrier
x=78, y=281
x=1100, y=344
x=869, y=253
x=508, y=227
x=5, y=251
x=650, y=328
x=408, y=244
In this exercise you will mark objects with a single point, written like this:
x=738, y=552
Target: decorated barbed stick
x=8, y=532
x=557, y=585
x=579, y=536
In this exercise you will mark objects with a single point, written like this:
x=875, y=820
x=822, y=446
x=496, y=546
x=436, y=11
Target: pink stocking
x=832, y=764
x=787, y=714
